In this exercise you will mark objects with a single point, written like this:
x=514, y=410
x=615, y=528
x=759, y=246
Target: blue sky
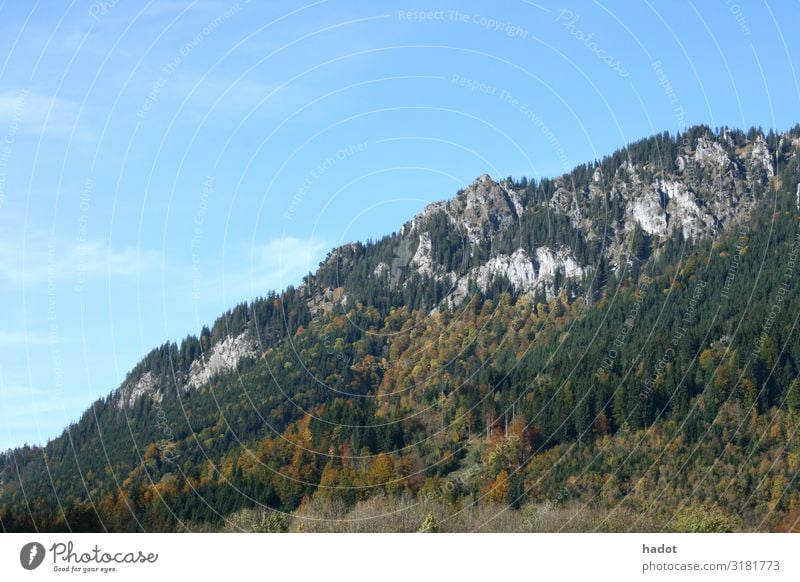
x=161, y=162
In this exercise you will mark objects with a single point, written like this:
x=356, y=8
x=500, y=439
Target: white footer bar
x=389, y=557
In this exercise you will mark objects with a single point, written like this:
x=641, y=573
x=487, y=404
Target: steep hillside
x=618, y=341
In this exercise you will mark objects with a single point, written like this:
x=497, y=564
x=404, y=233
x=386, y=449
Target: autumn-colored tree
x=603, y=424
x=381, y=470
x=498, y=490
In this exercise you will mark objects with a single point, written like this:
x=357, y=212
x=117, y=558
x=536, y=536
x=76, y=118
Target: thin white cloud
x=48, y=259
x=271, y=266
x=32, y=415
x=22, y=338
x=24, y=112
x=285, y=261
x=18, y=391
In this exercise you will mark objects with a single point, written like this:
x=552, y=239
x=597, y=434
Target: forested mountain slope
x=619, y=343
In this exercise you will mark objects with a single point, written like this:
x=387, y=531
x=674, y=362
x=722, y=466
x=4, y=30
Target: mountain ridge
x=542, y=258
x=523, y=273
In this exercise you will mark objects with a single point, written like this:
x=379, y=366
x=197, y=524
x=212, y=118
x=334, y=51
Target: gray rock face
x=128, y=394
x=761, y=157
x=711, y=153
x=684, y=211
x=422, y=260
x=485, y=208
x=668, y=206
x=567, y=202
x=482, y=209
x=709, y=186
x=646, y=210
x=526, y=274
x=223, y=357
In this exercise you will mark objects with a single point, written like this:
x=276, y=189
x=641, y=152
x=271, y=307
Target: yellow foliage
x=498, y=492
x=706, y=358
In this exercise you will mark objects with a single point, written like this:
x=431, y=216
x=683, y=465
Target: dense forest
x=659, y=391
